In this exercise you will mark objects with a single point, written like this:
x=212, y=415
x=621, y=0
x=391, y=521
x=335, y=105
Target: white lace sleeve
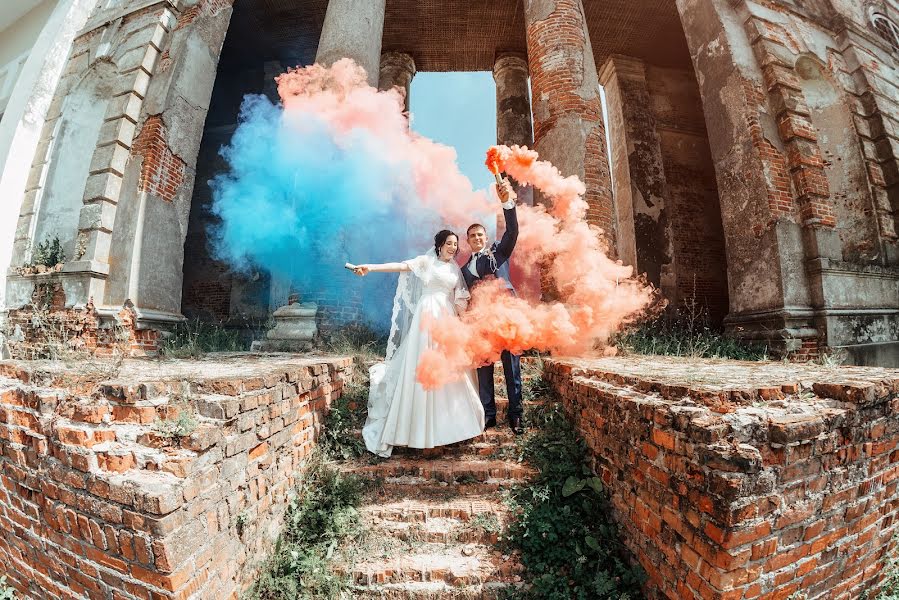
x=420, y=266
x=408, y=292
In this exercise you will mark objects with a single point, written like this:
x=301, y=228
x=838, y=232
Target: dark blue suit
x=497, y=267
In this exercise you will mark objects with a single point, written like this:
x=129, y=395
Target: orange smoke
x=493, y=159
x=596, y=295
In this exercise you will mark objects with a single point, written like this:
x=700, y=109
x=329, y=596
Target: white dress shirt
x=472, y=262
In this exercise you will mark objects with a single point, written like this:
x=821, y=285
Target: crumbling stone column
x=768, y=285
x=568, y=127
x=643, y=227
x=513, y=108
x=158, y=175
x=397, y=70
x=353, y=29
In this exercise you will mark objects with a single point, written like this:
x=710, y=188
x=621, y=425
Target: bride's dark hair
x=440, y=240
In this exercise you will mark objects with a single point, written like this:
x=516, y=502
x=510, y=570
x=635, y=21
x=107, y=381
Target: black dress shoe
x=490, y=422
x=516, y=425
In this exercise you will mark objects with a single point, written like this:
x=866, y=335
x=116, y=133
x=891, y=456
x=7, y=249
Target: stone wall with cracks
x=123, y=133
x=805, y=191
x=161, y=175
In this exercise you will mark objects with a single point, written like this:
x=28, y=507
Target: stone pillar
x=156, y=186
x=353, y=29
x=768, y=286
x=568, y=127
x=643, y=226
x=513, y=109
x=397, y=70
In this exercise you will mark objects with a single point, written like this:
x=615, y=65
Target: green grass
x=688, y=332
x=562, y=527
x=194, y=338
x=356, y=339
x=318, y=521
x=346, y=417
x=323, y=516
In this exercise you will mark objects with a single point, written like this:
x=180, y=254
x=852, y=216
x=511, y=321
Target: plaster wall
x=843, y=163
x=25, y=113
x=69, y=163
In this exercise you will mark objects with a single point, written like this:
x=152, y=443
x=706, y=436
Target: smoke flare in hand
x=596, y=295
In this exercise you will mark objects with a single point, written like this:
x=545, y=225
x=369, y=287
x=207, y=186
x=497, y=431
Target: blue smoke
x=298, y=205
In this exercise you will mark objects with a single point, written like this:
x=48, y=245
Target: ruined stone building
x=754, y=143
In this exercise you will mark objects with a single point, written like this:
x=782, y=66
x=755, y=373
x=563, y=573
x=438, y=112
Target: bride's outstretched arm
x=363, y=270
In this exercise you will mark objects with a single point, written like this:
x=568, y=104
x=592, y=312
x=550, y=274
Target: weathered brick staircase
x=434, y=518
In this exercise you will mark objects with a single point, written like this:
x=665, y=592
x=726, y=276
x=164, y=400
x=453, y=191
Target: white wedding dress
x=400, y=411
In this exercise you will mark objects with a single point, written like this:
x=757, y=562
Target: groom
x=493, y=263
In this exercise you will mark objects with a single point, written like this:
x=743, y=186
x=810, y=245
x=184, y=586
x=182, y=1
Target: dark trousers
x=512, y=371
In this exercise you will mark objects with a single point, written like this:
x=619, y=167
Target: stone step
x=461, y=565
x=440, y=530
x=433, y=590
x=493, y=441
x=471, y=448
x=407, y=486
x=414, y=510
x=463, y=469
x=495, y=436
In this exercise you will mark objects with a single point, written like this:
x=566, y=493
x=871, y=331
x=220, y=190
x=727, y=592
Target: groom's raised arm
x=510, y=237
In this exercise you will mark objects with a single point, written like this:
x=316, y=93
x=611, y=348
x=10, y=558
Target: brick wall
x=770, y=42
x=693, y=203
x=162, y=172
x=48, y=328
x=753, y=481
x=94, y=502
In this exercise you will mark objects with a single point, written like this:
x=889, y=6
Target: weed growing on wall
x=317, y=521
x=562, y=528
x=48, y=253
x=181, y=426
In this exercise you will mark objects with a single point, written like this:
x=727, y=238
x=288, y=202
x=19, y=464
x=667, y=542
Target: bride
x=400, y=411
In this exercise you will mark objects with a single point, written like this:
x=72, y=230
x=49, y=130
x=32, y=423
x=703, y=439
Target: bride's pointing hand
x=362, y=270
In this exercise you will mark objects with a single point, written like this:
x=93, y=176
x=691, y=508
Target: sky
x=459, y=110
